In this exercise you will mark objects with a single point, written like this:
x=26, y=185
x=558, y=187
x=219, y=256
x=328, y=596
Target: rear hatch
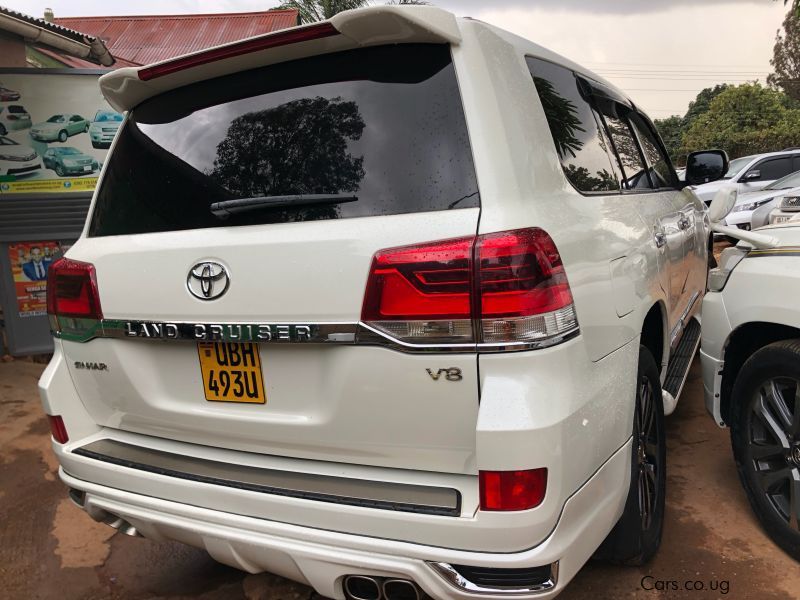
x=357, y=151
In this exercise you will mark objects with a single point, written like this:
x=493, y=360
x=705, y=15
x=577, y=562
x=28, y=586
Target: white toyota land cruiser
x=383, y=304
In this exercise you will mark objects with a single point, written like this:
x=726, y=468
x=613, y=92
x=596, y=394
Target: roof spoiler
x=127, y=87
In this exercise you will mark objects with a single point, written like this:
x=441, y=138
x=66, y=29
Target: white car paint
x=760, y=289
x=17, y=159
x=568, y=408
x=744, y=166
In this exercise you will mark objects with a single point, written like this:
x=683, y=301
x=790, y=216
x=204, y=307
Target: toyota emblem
x=207, y=280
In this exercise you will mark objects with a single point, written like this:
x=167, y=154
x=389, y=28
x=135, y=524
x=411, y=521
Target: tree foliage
x=300, y=147
x=786, y=57
x=745, y=119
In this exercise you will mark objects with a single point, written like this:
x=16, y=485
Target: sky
x=661, y=52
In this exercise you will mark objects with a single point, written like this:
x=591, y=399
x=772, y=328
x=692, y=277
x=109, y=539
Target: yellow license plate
x=231, y=372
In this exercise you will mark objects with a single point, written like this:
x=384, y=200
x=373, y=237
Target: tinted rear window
x=383, y=124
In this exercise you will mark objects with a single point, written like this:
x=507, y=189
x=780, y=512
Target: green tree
x=700, y=104
x=311, y=11
x=786, y=57
x=745, y=119
x=300, y=147
x=671, y=130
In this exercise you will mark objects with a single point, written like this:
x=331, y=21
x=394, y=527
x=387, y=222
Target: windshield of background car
x=66, y=151
x=790, y=181
x=737, y=165
x=384, y=124
x=16, y=109
x=56, y=119
x=104, y=117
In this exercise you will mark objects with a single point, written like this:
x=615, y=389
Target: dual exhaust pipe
x=362, y=587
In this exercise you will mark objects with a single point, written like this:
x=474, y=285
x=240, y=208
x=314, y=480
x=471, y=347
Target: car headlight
x=70, y=163
x=751, y=205
x=718, y=277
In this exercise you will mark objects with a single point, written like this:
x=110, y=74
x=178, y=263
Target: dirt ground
x=51, y=549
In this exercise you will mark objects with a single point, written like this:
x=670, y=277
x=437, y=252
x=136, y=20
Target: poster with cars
x=55, y=131
x=29, y=262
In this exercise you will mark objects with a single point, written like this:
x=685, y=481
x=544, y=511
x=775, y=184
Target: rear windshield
x=382, y=126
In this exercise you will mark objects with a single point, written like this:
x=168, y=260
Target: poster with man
x=29, y=262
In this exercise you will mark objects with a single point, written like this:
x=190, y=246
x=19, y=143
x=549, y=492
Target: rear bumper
x=322, y=557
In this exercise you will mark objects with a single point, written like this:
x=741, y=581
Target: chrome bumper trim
x=454, y=578
x=329, y=334
x=325, y=488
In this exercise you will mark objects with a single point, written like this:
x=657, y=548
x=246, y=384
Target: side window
x=581, y=146
x=772, y=168
x=635, y=176
x=658, y=164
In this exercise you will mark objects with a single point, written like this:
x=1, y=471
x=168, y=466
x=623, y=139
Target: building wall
x=12, y=50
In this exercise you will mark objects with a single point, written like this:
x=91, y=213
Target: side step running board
x=679, y=364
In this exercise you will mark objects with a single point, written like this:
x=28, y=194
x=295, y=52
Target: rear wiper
x=240, y=205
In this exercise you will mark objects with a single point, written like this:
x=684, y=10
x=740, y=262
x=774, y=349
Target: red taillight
x=58, y=429
x=72, y=290
x=283, y=38
x=511, y=284
x=12, y=118
x=512, y=490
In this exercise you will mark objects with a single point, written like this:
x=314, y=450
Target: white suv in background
x=751, y=369
x=383, y=304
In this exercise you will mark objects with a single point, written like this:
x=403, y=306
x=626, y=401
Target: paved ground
x=50, y=549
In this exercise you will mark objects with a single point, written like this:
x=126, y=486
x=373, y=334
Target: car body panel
x=707, y=191
x=16, y=159
x=104, y=127
x=14, y=117
x=47, y=131
x=756, y=292
x=377, y=411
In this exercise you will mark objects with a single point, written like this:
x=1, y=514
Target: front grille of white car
x=791, y=203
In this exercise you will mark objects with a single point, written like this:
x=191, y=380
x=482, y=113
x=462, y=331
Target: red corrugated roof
x=146, y=39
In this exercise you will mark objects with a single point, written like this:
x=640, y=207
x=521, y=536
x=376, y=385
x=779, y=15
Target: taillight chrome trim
x=337, y=334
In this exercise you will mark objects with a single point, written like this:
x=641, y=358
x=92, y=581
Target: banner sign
x=29, y=262
x=55, y=131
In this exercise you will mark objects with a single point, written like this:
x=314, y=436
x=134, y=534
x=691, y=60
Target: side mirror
x=752, y=175
x=722, y=204
x=705, y=166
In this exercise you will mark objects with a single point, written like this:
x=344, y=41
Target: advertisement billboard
x=55, y=130
x=29, y=262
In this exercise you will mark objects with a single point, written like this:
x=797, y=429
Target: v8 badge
x=450, y=374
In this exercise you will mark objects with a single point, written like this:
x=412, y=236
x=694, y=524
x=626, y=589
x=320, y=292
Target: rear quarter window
x=580, y=142
x=383, y=124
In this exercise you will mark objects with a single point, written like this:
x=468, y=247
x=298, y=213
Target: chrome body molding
x=681, y=324
x=325, y=488
x=454, y=578
x=84, y=330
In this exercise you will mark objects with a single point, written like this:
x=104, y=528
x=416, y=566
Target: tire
x=62, y=136
x=765, y=435
x=637, y=535
x=3, y=130
x=59, y=170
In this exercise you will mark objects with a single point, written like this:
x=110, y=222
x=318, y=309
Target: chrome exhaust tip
x=400, y=589
x=361, y=587
x=121, y=525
